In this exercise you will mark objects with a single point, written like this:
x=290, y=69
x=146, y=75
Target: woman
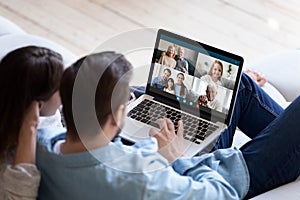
x=180, y=88
x=168, y=58
x=170, y=88
x=215, y=73
x=215, y=76
x=29, y=79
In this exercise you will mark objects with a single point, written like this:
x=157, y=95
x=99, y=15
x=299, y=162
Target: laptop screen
x=194, y=77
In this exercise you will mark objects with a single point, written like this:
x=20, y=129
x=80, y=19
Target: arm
x=160, y=61
x=186, y=69
x=199, y=177
x=218, y=106
x=21, y=180
x=154, y=82
x=185, y=92
x=203, y=184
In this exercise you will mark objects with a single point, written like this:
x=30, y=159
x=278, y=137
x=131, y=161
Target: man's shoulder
x=157, y=78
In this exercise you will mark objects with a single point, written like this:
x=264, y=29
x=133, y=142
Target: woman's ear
x=41, y=105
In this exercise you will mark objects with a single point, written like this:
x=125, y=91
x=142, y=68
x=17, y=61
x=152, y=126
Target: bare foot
x=257, y=77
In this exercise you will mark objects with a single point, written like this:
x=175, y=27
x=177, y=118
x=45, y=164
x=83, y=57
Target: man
x=160, y=82
x=82, y=163
x=209, y=100
x=181, y=63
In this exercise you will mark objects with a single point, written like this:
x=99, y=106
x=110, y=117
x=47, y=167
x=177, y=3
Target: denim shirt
x=158, y=83
x=117, y=171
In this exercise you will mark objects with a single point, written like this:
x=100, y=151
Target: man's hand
x=202, y=100
x=170, y=145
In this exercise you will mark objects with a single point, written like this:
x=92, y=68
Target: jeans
x=273, y=154
x=253, y=111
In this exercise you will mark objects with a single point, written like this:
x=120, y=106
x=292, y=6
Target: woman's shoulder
x=206, y=77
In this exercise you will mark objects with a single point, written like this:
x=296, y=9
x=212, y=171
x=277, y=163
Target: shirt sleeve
x=187, y=66
x=154, y=82
x=202, y=178
x=227, y=163
x=21, y=182
x=205, y=78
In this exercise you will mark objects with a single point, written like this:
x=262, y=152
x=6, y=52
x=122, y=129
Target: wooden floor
x=251, y=29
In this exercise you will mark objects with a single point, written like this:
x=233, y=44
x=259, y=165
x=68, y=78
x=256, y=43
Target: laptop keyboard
x=195, y=130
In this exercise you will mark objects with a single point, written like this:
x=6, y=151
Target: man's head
x=112, y=90
x=166, y=74
x=180, y=52
x=211, y=91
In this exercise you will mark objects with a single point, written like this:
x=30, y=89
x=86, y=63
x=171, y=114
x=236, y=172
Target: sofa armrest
x=8, y=27
x=282, y=71
x=287, y=191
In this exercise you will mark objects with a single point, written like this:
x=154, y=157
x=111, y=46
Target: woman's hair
x=112, y=89
x=26, y=74
x=183, y=87
x=172, y=80
x=168, y=51
x=212, y=66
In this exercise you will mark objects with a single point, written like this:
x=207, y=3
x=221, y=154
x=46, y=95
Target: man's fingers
x=157, y=134
x=153, y=132
x=170, y=125
x=161, y=122
x=180, y=129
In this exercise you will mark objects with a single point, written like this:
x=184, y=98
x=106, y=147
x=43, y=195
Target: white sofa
x=13, y=37
x=281, y=69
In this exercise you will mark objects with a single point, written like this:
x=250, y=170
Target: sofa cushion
x=7, y=27
x=11, y=42
x=282, y=70
x=287, y=191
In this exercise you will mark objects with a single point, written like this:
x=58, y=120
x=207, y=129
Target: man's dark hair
x=26, y=74
x=168, y=70
x=112, y=86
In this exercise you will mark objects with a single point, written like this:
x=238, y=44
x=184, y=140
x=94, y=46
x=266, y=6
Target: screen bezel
x=171, y=100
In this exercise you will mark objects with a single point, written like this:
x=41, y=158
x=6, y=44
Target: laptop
x=181, y=86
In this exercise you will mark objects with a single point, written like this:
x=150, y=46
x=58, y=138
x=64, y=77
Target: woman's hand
x=26, y=147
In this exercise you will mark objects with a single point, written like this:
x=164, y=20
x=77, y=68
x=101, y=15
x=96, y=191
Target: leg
x=273, y=156
x=253, y=111
x=138, y=90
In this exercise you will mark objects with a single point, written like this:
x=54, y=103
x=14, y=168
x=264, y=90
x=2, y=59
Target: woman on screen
x=215, y=76
x=167, y=59
x=170, y=88
x=180, y=88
